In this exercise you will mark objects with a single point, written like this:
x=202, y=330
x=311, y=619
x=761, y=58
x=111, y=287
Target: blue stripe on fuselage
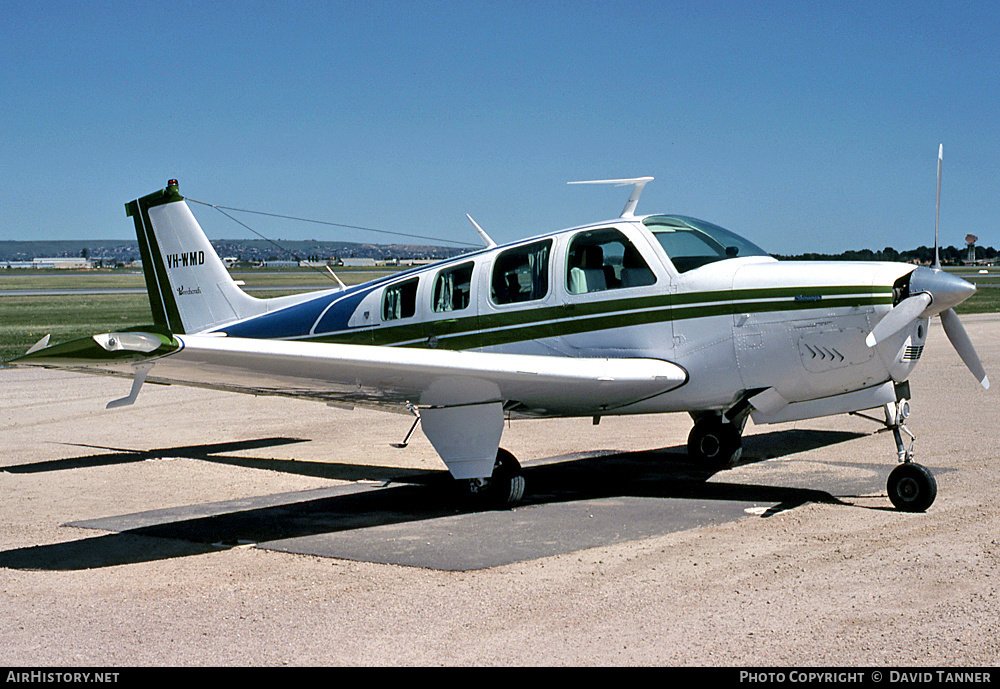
x=297, y=320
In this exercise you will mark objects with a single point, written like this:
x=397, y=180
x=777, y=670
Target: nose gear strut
x=911, y=486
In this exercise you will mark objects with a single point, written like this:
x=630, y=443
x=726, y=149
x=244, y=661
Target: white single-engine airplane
x=635, y=315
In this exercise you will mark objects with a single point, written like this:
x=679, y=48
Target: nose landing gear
x=911, y=486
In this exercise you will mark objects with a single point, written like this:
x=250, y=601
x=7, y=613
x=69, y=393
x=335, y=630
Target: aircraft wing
x=388, y=377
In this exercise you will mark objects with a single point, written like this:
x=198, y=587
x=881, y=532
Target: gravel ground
x=853, y=583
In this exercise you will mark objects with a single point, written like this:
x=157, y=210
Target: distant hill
x=126, y=251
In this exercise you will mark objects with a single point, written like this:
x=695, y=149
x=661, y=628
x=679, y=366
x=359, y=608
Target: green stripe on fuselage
x=483, y=330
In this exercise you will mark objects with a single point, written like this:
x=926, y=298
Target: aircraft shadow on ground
x=407, y=497
x=125, y=455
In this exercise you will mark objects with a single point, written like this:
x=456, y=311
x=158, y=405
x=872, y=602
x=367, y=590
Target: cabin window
x=452, y=289
x=399, y=300
x=521, y=274
x=605, y=259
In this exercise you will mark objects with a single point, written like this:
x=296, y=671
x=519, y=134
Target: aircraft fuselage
x=797, y=327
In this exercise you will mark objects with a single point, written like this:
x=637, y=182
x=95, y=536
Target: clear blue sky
x=806, y=126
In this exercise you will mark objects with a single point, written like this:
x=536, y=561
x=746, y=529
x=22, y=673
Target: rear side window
x=521, y=274
x=399, y=300
x=452, y=288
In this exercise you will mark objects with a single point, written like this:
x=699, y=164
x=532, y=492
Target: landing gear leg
x=504, y=489
x=911, y=487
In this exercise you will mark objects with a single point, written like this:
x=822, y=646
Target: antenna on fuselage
x=482, y=233
x=339, y=281
x=633, y=200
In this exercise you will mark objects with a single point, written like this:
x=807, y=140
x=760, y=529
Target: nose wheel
x=912, y=487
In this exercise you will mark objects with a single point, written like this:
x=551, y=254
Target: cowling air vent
x=824, y=353
x=912, y=352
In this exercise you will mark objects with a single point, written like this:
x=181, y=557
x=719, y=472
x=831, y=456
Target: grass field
x=987, y=298
x=26, y=319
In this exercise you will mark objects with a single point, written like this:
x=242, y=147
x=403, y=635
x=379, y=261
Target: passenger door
x=616, y=294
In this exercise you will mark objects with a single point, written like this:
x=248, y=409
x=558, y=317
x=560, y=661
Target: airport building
x=38, y=263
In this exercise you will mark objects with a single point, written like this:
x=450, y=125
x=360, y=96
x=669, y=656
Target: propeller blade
x=937, y=210
x=902, y=314
x=963, y=345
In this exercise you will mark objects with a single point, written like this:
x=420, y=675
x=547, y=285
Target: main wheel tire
x=714, y=444
x=505, y=488
x=912, y=487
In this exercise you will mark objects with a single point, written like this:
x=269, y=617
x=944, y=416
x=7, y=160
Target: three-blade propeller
x=921, y=306
x=934, y=292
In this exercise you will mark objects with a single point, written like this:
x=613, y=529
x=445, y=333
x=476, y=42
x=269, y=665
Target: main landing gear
x=911, y=487
x=504, y=489
x=715, y=441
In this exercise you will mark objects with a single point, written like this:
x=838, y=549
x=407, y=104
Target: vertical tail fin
x=189, y=288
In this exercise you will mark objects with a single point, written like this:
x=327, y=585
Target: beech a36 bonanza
x=635, y=315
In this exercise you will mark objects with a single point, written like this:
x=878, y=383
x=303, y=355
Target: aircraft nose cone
x=947, y=290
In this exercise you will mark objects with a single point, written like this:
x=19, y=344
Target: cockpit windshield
x=692, y=243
